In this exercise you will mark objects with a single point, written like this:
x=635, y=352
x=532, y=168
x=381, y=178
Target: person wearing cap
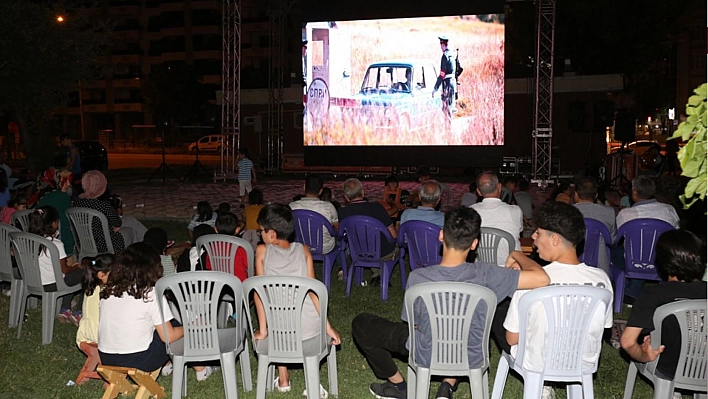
x=446, y=78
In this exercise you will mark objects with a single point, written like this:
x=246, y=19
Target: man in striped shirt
x=246, y=175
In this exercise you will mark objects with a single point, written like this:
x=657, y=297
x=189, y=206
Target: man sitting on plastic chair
x=378, y=338
x=680, y=260
x=560, y=228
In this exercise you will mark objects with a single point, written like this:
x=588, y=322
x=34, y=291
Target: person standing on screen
x=446, y=78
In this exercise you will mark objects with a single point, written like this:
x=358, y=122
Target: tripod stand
x=618, y=167
x=164, y=167
x=196, y=166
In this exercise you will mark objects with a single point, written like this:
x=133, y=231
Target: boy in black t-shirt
x=681, y=261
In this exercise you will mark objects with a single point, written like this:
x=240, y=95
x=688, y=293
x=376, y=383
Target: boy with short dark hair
x=378, y=338
x=246, y=175
x=281, y=257
x=681, y=262
x=228, y=224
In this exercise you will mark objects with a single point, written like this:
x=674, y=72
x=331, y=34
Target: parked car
x=212, y=142
x=398, y=94
x=93, y=155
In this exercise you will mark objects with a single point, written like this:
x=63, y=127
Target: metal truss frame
x=543, y=104
x=230, y=88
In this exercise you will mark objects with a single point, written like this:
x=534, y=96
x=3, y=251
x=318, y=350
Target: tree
x=693, y=155
x=43, y=59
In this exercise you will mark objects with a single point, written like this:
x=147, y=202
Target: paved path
x=177, y=201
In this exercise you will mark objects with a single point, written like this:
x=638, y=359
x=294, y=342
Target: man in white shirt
x=560, y=228
x=645, y=205
x=496, y=213
x=312, y=202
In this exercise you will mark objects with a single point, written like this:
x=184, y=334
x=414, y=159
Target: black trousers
x=151, y=359
x=72, y=278
x=378, y=339
x=498, y=330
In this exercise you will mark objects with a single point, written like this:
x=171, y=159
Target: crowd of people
x=130, y=331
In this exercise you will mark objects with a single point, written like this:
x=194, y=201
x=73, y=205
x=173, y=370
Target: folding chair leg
x=147, y=384
x=117, y=378
x=93, y=360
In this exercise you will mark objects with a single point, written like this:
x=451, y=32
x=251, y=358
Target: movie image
x=405, y=82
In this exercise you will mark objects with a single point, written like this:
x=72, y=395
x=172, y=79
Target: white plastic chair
x=6, y=273
x=20, y=219
x=221, y=249
x=27, y=250
x=197, y=294
x=490, y=240
x=691, y=369
x=83, y=221
x=283, y=298
x=569, y=312
x=447, y=309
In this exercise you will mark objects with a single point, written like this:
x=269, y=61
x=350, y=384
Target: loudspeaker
x=625, y=130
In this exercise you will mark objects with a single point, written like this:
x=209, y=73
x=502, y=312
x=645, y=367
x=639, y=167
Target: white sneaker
x=323, y=393
x=278, y=388
x=204, y=374
x=166, y=369
x=8, y=292
x=548, y=393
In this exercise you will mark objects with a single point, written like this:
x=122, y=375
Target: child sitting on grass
x=280, y=257
x=157, y=237
x=205, y=215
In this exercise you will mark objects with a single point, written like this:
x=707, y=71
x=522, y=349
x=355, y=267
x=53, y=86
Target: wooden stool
x=90, y=349
x=117, y=378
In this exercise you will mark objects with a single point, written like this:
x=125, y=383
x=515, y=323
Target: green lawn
x=30, y=370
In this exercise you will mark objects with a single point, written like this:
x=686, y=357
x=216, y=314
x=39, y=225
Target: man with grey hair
x=429, y=192
x=357, y=205
x=497, y=214
x=645, y=205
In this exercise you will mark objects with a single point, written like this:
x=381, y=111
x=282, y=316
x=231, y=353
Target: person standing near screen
x=446, y=78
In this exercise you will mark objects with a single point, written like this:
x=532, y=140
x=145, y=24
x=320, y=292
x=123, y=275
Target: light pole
x=60, y=19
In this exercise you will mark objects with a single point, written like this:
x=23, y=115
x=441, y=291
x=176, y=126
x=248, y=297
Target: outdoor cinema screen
x=379, y=82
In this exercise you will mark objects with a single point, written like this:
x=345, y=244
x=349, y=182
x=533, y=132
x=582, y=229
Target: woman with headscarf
x=54, y=189
x=94, y=185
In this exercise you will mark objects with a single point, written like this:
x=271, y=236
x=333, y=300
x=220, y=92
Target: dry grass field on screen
x=480, y=119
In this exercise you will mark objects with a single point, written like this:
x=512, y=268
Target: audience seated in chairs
x=94, y=184
x=681, y=262
x=430, y=192
x=494, y=212
x=312, y=202
x=379, y=338
x=559, y=229
x=645, y=206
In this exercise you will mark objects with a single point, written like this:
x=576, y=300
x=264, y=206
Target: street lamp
x=60, y=19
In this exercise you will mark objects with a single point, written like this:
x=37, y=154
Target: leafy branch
x=693, y=155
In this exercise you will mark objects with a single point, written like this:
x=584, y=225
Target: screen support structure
x=278, y=10
x=543, y=104
x=230, y=89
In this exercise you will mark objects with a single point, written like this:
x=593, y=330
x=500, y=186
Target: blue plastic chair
x=596, y=235
x=421, y=241
x=363, y=236
x=569, y=311
x=309, y=230
x=640, y=236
